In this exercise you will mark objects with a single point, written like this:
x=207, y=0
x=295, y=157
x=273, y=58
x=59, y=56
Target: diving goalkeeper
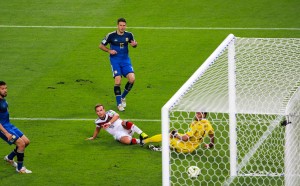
x=190, y=141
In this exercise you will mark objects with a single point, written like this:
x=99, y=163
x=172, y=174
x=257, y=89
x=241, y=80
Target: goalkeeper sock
x=156, y=138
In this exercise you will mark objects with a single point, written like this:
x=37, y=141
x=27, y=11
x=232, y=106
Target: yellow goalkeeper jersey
x=198, y=130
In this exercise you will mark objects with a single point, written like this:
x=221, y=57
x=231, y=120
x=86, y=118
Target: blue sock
x=117, y=91
x=118, y=99
x=20, y=158
x=124, y=93
x=20, y=165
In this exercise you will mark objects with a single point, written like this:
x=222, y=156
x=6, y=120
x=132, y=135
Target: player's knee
x=27, y=142
x=20, y=144
x=131, y=78
x=126, y=140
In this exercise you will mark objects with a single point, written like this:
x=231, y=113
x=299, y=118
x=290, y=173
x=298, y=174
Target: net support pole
x=232, y=109
x=165, y=146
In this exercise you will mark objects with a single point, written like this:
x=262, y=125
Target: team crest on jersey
x=127, y=39
x=115, y=72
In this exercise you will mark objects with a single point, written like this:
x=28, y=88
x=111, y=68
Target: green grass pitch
x=59, y=72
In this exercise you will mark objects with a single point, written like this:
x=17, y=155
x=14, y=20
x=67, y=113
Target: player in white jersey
x=121, y=130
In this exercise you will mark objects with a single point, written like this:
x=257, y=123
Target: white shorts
x=118, y=131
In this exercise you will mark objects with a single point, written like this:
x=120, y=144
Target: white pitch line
x=143, y=28
x=77, y=119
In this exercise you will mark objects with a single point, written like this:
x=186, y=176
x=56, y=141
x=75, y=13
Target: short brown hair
x=2, y=83
x=121, y=20
x=98, y=105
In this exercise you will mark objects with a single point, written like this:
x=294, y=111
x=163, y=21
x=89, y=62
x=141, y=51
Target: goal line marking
x=77, y=119
x=144, y=28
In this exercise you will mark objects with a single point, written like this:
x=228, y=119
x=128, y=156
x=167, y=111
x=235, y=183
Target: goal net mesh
x=267, y=75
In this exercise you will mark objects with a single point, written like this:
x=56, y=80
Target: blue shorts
x=12, y=130
x=121, y=67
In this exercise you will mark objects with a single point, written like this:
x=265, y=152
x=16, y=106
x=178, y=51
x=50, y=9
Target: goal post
x=246, y=86
x=292, y=144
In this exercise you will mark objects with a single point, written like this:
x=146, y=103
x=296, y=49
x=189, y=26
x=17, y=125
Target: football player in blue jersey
x=11, y=134
x=119, y=59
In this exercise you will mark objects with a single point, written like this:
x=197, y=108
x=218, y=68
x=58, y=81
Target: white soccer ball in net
x=193, y=171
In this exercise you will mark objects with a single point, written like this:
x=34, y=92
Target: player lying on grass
x=122, y=131
x=11, y=134
x=188, y=142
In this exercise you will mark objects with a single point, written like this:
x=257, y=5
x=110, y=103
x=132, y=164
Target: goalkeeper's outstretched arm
x=212, y=142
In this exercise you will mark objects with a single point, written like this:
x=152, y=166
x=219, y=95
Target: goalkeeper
x=190, y=141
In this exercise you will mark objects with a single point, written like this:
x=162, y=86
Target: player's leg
x=22, y=142
x=128, y=140
x=123, y=137
x=20, y=156
x=130, y=126
x=117, y=91
x=128, y=87
x=10, y=157
x=128, y=72
x=117, y=74
x=181, y=146
x=153, y=139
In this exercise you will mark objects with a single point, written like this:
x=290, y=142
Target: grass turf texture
x=60, y=73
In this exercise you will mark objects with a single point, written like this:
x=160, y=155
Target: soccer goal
x=250, y=89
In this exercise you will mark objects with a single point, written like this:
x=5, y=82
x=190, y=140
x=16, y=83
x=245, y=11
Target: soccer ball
x=193, y=171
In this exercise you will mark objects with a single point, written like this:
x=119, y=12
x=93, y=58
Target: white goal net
x=249, y=87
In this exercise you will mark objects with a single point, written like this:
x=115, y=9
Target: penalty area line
x=77, y=119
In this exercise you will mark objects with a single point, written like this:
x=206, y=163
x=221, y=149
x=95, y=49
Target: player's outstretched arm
x=212, y=142
x=96, y=132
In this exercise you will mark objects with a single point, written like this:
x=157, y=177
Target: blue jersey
x=118, y=43
x=4, y=115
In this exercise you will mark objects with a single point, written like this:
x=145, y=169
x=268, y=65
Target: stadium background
x=55, y=72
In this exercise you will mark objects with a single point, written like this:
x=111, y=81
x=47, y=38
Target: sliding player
x=122, y=131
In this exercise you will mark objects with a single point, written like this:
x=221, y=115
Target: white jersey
x=115, y=129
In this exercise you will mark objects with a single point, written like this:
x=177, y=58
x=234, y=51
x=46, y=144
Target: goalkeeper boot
x=123, y=102
x=120, y=108
x=24, y=171
x=11, y=162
